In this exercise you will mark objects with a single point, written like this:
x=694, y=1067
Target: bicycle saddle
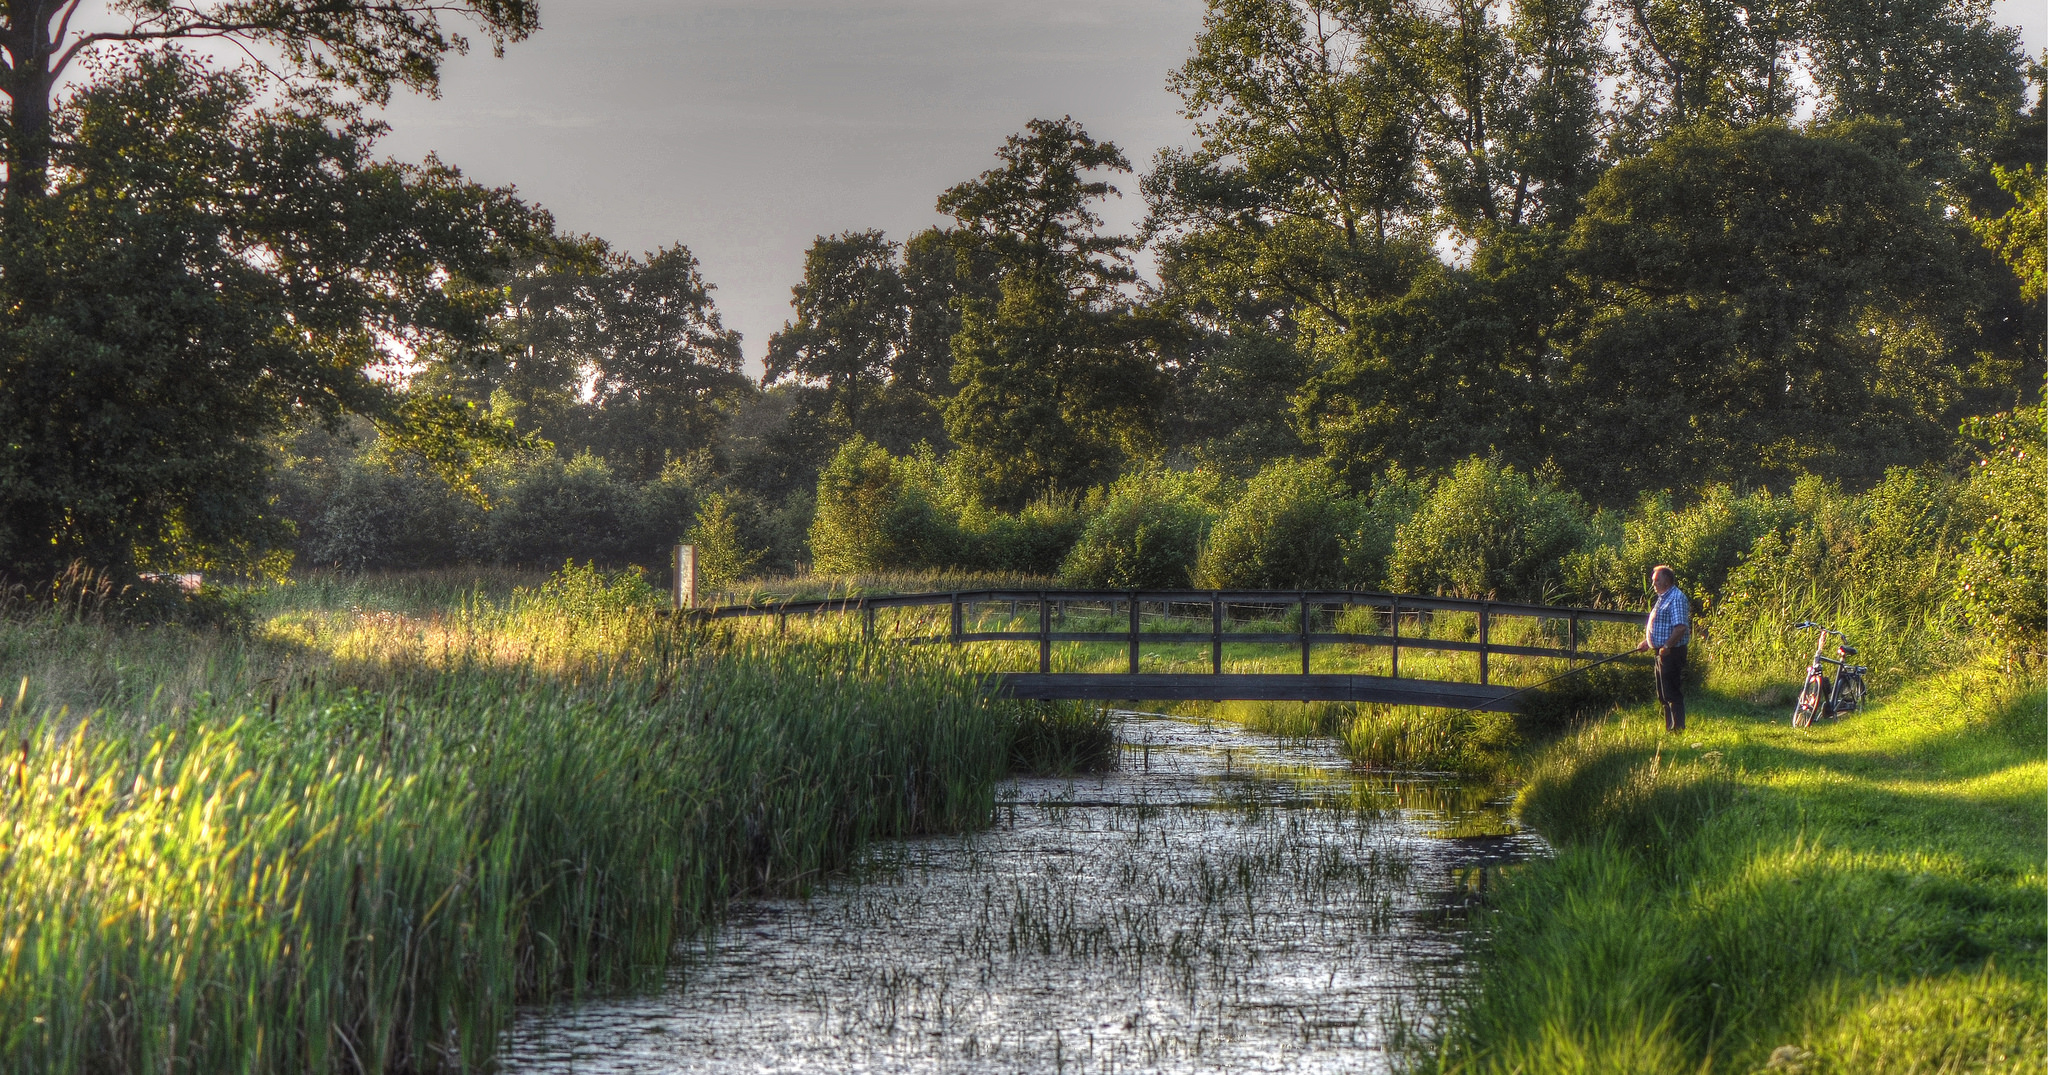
x=1846, y=651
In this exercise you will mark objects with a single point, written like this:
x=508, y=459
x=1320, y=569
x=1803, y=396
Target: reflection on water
x=1227, y=902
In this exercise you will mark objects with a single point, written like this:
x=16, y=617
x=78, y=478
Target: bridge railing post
x=1304, y=633
x=1044, y=634
x=1215, y=633
x=956, y=618
x=1395, y=615
x=1483, y=609
x=1134, y=634
x=867, y=630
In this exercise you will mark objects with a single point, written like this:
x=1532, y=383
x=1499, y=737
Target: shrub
x=1147, y=535
x=551, y=511
x=856, y=493
x=1702, y=542
x=373, y=516
x=667, y=504
x=721, y=559
x=1880, y=565
x=1392, y=500
x=877, y=512
x=1293, y=528
x=1034, y=541
x=1486, y=530
x=2002, y=578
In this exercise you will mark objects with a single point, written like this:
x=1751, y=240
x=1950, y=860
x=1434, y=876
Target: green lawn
x=1864, y=896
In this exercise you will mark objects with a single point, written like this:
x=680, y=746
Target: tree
x=1309, y=171
x=1340, y=142
x=2020, y=236
x=172, y=284
x=208, y=271
x=660, y=361
x=722, y=559
x=368, y=46
x=941, y=269
x=1685, y=62
x=1760, y=302
x=1055, y=387
x=850, y=332
x=1460, y=364
x=1942, y=68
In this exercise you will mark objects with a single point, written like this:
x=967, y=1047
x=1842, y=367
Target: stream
x=1225, y=902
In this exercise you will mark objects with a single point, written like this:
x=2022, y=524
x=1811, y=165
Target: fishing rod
x=1563, y=675
x=1534, y=686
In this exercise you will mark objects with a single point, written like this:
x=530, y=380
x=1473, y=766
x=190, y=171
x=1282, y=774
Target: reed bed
x=354, y=838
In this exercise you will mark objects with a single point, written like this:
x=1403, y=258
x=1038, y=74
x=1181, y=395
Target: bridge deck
x=1231, y=687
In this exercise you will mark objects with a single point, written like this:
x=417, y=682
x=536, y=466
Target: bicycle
x=1822, y=697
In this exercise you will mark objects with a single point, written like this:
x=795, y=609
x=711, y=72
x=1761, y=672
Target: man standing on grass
x=1669, y=629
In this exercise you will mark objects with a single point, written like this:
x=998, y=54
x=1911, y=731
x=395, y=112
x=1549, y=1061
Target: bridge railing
x=1047, y=609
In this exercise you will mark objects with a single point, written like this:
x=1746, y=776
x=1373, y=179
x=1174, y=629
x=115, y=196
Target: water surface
x=1227, y=902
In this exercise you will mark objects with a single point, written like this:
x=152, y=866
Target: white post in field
x=686, y=576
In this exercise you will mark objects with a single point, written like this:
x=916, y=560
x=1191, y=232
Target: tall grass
x=354, y=839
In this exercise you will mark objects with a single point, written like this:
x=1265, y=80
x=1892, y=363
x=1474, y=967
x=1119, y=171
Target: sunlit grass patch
x=1865, y=895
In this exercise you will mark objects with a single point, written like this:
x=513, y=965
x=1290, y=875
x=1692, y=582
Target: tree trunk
x=25, y=38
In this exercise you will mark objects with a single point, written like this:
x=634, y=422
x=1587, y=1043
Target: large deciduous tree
x=660, y=360
x=1054, y=386
x=182, y=270
x=1734, y=306
x=206, y=271
x=369, y=46
x=1760, y=303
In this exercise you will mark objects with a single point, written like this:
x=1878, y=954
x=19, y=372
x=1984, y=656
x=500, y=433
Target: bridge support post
x=1304, y=633
x=1395, y=615
x=1134, y=634
x=1216, y=633
x=1044, y=634
x=1482, y=645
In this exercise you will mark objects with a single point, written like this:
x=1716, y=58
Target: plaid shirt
x=1670, y=610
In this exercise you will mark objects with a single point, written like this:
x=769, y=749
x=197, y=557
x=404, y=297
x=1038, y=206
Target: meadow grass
x=1862, y=896
x=351, y=838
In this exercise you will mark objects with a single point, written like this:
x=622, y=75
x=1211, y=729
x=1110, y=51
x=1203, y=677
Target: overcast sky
x=744, y=128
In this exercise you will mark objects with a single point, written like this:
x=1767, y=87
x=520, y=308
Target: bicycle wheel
x=1812, y=699
x=1848, y=693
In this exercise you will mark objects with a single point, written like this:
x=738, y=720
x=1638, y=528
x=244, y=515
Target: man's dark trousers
x=1670, y=686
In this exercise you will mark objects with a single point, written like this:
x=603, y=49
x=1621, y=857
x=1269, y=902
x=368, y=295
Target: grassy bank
x=353, y=836
x=1864, y=896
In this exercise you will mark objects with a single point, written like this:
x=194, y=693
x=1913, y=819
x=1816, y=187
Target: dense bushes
x=1703, y=542
x=1292, y=528
x=1921, y=548
x=372, y=510
x=2003, y=572
x=1487, y=531
x=1146, y=534
x=878, y=512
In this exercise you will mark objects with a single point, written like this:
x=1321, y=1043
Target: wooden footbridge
x=1297, y=620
